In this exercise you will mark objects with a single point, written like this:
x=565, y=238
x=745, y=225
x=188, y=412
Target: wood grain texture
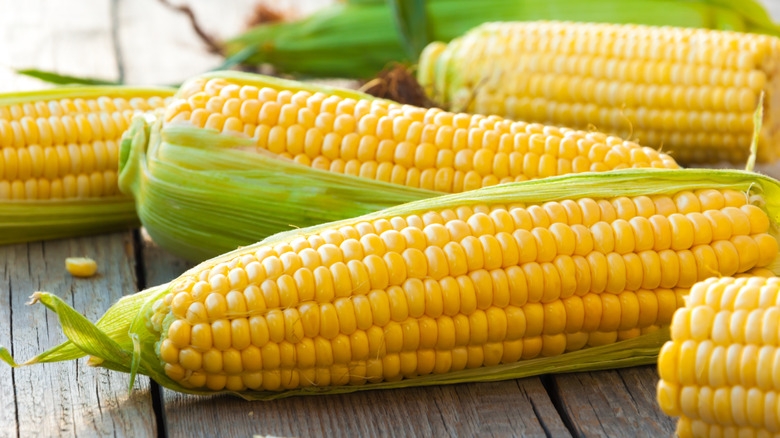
x=158, y=45
x=159, y=266
x=510, y=408
x=8, y=421
x=63, y=399
x=72, y=37
x=69, y=398
x=613, y=403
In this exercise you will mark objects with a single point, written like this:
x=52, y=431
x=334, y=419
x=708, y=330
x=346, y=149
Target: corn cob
x=445, y=290
x=59, y=155
x=401, y=144
x=347, y=134
x=574, y=272
x=692, y=91
x=719, y=371
x=358, y=38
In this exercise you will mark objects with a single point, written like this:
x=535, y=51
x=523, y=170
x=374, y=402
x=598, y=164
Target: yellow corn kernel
x=693, y=93
x=719, y=369
x=400, y=144
x=475, y=285
x=81, y=266
x=56, y=149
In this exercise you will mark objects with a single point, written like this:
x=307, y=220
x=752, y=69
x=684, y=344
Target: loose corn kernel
x=81, y=266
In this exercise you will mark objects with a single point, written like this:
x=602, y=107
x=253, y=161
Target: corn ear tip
x=6, y=357
x=35, y=298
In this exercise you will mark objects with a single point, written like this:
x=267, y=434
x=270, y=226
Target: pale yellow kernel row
x=323, y=370
x=399, y=144
x=63, y=107
x=719, y=372
x=58, y=161
x=85, y=185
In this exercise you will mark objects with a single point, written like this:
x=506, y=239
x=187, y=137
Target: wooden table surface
x=141, y=41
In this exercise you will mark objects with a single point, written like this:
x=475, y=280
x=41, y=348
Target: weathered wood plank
x=8, y=421
x=69, y=398
x=158, y=45
x=71, y=37
x=512, y=408
x=159, y=266
x=613, y=403
x=63, y=399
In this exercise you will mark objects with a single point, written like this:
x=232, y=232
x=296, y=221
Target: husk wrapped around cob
x=238, y=157
x=58, y=160
x=165, y=332
x=360, y=38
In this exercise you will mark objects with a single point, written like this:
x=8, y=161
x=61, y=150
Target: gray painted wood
x=159, y=46
x=63, y=399
x=511, y=408
x=8, y=420
x=72, y=37
x=67, y=398
x=613, y=403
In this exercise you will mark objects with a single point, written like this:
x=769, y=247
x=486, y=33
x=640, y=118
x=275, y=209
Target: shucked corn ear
x=719, y=372
x=59, y=157
x=691, y=91
x=570, y=273
x=406, y=145
x=359, y=38
x=302, y=142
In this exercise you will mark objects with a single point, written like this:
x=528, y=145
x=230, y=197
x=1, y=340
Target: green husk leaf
x=84, y=92
x=59, y=79
x=237, y=58
x=117, y=346
x=28, y=220
x=357, y=39
x=6, y=357
x=758, y=118
x=114, y=324
x=79, y=330
x=136, y=362
x=24, y=221
x=174, y=172
x=624, y=182
x=411, y=21
x=255, y=200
